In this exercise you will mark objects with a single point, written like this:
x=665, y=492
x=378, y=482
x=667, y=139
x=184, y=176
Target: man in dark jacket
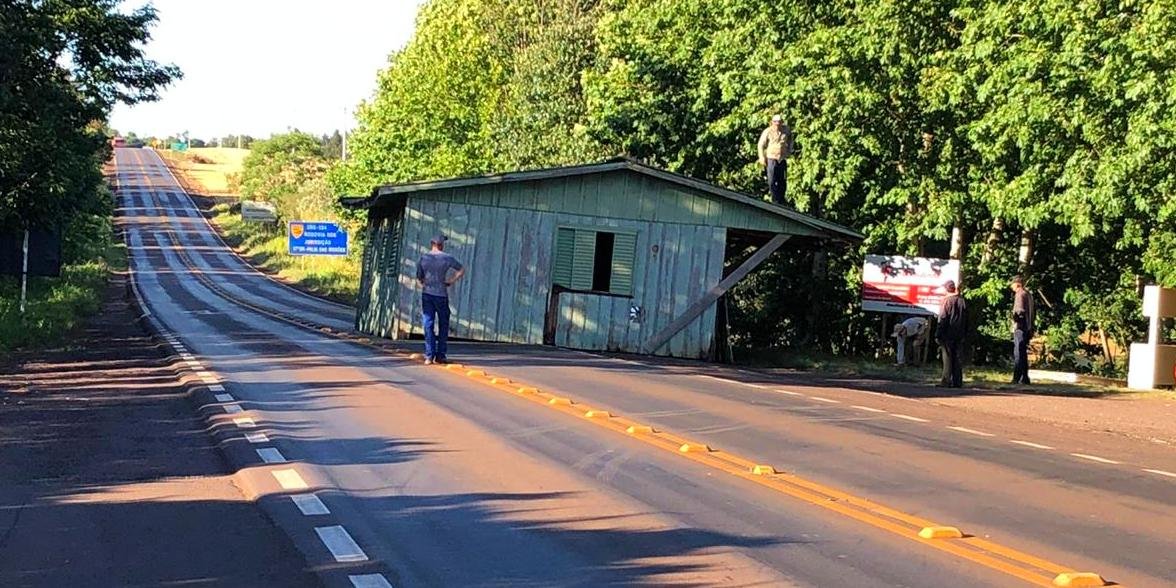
x=1022, y=330
x=953, y=324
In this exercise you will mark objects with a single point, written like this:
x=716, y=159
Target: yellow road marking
x=1029, y=568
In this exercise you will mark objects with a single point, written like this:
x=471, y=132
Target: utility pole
x=345, y=123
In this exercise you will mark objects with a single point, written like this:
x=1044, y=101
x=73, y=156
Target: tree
x=277, y=168
x=65, y=64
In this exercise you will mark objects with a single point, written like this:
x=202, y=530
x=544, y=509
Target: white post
x=24, y=274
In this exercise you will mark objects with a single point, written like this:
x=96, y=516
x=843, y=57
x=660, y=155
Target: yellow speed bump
x=640, y=430
x=763, y=470
x=453, y=367
x=1079, y=579
x=476, y=373
x=527, y=390
x=499, y=380
x=694, y=448
x=560, y=401
x=598, y=414
x=940, y=533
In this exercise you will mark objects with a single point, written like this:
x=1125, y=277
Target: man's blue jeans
x=436, y=313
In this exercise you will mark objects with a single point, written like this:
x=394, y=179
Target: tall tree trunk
x=1025, y=256
x=957, y=242
x=992, y=242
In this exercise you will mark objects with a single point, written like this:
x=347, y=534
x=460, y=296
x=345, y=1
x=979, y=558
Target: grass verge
x=264, y=246
x=982, y=377
x=56, y=306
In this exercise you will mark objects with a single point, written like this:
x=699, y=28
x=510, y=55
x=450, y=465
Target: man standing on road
x=910, y=334
x=953, y=324
x=433, y=274
x=775, y=146
x=1022, y=330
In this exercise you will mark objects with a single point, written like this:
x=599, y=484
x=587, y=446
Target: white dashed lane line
x=290, y=480
x=971, y=431
x=1160, y=473
x=369, y=581
x=244, y=422
x=868, y=409
x=224, y=398
x=310, y=505
x=1095, y=458
x=271, y=455
x=1030, y=444
x=233, y=408
x=339, y=542
x=907, y=417
x=790, y=392
x=216, y=388
x=256, y=438
x=826, y=400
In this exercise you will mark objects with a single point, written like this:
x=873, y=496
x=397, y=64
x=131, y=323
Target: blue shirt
x=433, y=268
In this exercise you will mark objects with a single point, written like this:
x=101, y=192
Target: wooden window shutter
x=624, y=253
x=565, y=247
x=583, y=259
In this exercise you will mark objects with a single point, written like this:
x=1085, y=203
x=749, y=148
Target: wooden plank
x=540, y=286
x=713, y=294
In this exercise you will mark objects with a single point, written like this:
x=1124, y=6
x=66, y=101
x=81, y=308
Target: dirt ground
x=108, y=477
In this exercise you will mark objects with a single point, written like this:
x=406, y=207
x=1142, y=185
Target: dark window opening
x=602, y=264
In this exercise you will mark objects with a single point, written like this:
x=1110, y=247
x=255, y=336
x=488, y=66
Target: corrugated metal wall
x=378, y=281
x=508, y=255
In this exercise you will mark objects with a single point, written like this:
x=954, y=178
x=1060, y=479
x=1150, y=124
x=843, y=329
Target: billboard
x=906, y=285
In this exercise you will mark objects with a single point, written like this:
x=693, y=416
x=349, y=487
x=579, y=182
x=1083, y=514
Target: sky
x=257, y=67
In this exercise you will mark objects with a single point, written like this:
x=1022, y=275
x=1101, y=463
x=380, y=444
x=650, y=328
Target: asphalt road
x=441, y=483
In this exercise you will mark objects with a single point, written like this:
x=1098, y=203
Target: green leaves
x=1054, y=121
x=63, y=65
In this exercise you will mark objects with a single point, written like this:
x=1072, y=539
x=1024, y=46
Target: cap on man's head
x=777, y=118
x=949, y=285
x=1018, y=280
x=438, y=239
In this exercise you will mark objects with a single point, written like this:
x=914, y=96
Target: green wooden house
x=614, y=256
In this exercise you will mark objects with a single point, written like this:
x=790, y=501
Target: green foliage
x=58, y=305
x=66, y=63
x=280, y=166
x=1047, y=124
x=265, y=246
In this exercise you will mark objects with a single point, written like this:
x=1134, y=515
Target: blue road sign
x=316, y=238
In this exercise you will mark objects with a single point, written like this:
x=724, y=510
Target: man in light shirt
x=775, y=146
x=911, y=334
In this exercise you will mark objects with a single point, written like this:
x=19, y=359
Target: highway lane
x=411, y=455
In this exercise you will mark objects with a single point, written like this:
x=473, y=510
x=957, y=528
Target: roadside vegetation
x=287, y=170
x=65, y=65
x=1022, y=137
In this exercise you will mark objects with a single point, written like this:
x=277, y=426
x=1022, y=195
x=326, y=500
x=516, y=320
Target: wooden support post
x=699, y=306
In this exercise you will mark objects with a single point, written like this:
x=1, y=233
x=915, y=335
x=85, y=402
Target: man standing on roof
x=433, y=274
x=775, y=146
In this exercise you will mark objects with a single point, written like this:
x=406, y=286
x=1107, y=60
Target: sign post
x=24, y=273
x=316, y=238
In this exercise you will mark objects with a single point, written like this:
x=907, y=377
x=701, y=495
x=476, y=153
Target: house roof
x=389, y=191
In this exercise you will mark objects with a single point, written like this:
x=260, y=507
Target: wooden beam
x=699, y=306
